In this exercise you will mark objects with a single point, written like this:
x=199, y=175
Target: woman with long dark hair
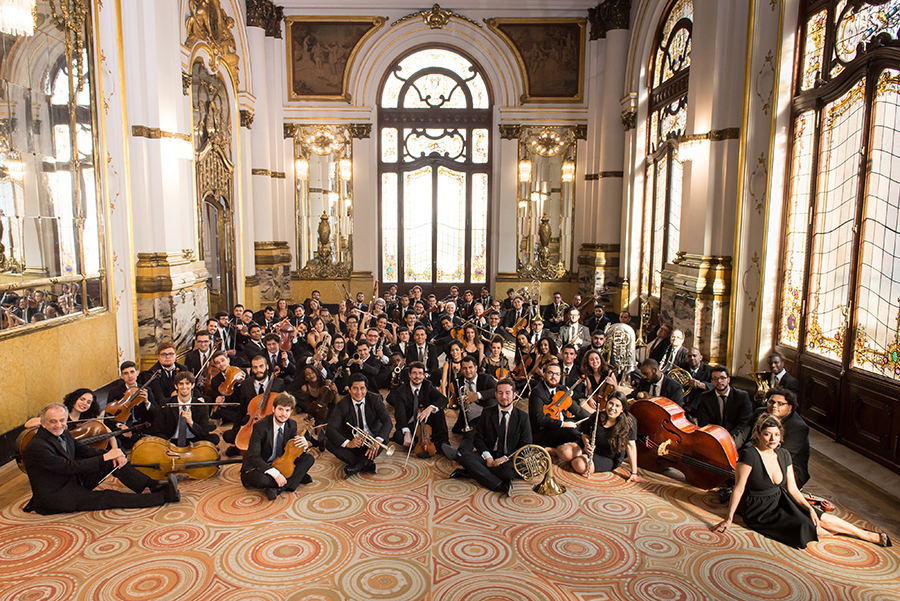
x=614, y=441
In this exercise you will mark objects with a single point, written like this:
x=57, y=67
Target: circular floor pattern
x=328, y=506
x=393, y=539
x=392, y=475
x=107, y=547
x=221, y=506
x=658, y=547
x=523, y=505
x=612, y=508
x=699, y=535
x=159, y=576
x=498, y=586
x=50, y=587
x=653, y=586
x=175, y=537
x=399, y=506
x=867, y=560
x=741, y=576
x=25, y=550
x=579, y=554
x=388, y=579
x=475, y=551
x=277, y=553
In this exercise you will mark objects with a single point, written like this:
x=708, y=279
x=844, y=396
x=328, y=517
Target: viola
x=523, y=368
x=284, y=463
x=158, y=458
x=226, y=388
x=259, y=407
x=121, y=409
x=318, y=408
x=425, y=447
x=501, y=372
x=706, y=456
x=562, y=401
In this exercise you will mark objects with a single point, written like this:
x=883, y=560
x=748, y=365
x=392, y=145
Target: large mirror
x=50, y=235
x=546, y=202
x=323, y=166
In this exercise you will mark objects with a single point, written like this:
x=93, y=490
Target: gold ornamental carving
x=543, y=268
x=436, y=18
x=208, y=23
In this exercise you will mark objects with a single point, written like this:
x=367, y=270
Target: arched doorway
x=434, y=170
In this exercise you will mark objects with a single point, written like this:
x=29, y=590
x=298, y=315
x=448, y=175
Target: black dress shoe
x=725, y=494
x=306, y=479
x=350, y=470
x=171, y=493
x=504, y=487
x=271, y=493
x=459, y=473
x=370, y=468
x=232, y=452
x=449, y=452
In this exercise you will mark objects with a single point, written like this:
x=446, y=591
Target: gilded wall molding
x=359, y=131
x=155, y=133
x=246, y=119
x=436, y=17
x=714, y=135
x=590, y=177
x=607, y=16
x=209, y=23
x=580, y=131
x=186, y=80
x=269, y=173
x=629, y=120
x=264, y=14
x=157, y=273
x=509, y=131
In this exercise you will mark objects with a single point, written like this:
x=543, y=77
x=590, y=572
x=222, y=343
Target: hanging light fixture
x=301, y=168
x=568, y=172
x=17, y=17
x=346, y=169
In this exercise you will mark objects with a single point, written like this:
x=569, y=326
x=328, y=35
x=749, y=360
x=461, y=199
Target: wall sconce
x=346, y=169
x=301, y=169
x=692, y=146
x=568, y=172
x=524, y=171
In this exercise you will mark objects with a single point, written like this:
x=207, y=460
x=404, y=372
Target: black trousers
x=556, y=436
x=439, y=433
x=253, y=478
x=83, y=497
x=488, y=477
x=351, y=457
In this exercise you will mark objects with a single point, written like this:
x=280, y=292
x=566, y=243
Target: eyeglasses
x=776, y=403
x=719, y=379
x=168, y=354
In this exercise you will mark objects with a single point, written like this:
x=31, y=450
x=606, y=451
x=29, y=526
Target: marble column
x=273, y=268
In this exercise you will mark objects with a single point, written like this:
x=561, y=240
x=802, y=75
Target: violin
x=425, y=447
x=226, y=388
x=157, y=458
x=259, y=407
x=121, y=409
x=285, y=334
x=523, y=368
x=562, y=401
x=500, y=373
x=94, y=433
x=318, y=408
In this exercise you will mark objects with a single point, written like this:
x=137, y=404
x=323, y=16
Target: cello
x=157, y=458
x=706, y=456
x=91, y=432
x=259, y=407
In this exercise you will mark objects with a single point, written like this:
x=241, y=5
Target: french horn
x=533, y=461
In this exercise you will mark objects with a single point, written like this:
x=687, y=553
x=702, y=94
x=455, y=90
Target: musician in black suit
x=164, y=385
x=142, y=413
x=657, y=347
x=251, y=387
x=724, y=405
x=656, y=383
x=569, y=366
x=265, y=318
x=267, y=442
x=514, y=315
x=546, y=430
x=424, y=352
x=196, y=359
x=598, y=321
x=369, y=366
x=501, y=431
x=701, y=381
x=778, y=376
x=188, y=421
x=63, y=472
x=478, y=393
x=224, y=338
x=676, y=354
x=254, y=345
x=418, y=401
x=366, y=411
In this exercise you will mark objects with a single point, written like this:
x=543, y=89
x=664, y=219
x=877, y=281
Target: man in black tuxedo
x=676, y=354
x=700, y=378
x=277, y=357
x=598, y=320
x=492, y=329
x=63, y=472
x=479, y=392
x=185, y=422
x=251, y=387
x=656, y=383
x=230, y=413
x=657, y=347
x=366, y=411
x=224, y=338
x=723, y=405
x=164, y=385
x=255, y=345
x=485, y=298
x=514, y=315
x=501, y=431
x=778, y=376
x=555, y=313
x=418, y=401
x=367, y=365
x=782, y=403
x=598, y=339
x=536, y=331
x=142, y=413
x=265, y=318
x=547, y=431
x=196, y=359
x=267, y=442
x=424, y=352
x=570, y=370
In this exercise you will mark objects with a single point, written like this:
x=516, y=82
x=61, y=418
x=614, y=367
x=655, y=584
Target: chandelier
x=17, y=17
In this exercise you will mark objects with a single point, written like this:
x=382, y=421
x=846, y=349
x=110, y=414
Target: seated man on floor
x=418, y=403
x=358, y=427
x=268, y=442
x=63, y=472
x=182, y=419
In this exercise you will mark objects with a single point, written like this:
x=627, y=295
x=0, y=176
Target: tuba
x=619, y=348
x=533, y=461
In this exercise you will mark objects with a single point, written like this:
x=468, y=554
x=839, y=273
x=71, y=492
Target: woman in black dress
x=767, y=498
x=615, y=440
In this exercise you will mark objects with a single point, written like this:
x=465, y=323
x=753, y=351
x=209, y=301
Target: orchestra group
x=273, y=385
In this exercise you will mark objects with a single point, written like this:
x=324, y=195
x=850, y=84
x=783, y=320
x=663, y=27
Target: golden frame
x=496, y=25
x=376, y=24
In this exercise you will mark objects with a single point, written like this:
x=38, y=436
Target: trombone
x=461, y=401
x=369, y=440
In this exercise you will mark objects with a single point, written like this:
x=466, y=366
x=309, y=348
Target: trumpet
x=369, y=440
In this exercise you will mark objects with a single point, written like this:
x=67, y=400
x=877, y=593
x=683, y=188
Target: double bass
x=157, y=458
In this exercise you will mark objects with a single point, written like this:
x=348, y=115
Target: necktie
x=566, y=373
x=722, y=407
x=258, y=387
x=182, y=429
x=471, y=384
x=415, y=402
x=656, y=388
x=359, y=415
x=504, y=422
x=279, y=444
x=421, y=355
x=62, y=441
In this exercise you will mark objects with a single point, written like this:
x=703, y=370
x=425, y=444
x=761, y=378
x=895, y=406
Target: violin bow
x=412, y=443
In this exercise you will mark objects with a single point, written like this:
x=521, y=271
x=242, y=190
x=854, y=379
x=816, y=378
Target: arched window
x=434, y=170
x=839, y=311
x=668, y=88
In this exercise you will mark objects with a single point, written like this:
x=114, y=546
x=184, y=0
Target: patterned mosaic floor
x=410, y=534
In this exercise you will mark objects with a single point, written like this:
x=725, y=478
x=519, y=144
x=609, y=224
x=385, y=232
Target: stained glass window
x=815, y=48
x=442, y=237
